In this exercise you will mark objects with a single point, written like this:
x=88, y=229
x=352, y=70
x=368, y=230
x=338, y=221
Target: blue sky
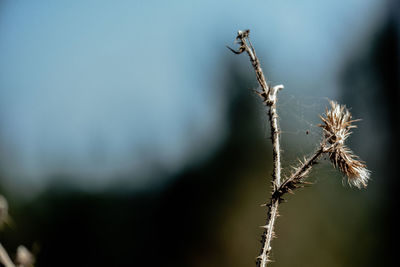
x=96, y=88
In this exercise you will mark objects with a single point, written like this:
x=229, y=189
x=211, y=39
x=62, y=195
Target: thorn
x=241, y=49
x=257, y=92
x=264, y=226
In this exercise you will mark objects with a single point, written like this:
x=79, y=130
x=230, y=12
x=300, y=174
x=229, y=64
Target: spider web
x=300, y=133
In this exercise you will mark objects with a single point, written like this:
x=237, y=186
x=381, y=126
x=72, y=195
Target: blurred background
x=130, y=135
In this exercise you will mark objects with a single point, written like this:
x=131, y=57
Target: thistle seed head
x=336, y=125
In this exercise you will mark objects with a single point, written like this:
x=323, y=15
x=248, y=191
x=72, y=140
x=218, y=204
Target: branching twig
x=336, y=127
x=296, y=180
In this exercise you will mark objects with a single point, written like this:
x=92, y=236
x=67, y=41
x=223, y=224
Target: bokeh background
x=130, y=135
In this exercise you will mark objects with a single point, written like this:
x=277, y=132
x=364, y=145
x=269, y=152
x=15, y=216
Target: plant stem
x=4, y=258
x=336, y=129
x=269, y=96
x=268, y=234
x=296, y=179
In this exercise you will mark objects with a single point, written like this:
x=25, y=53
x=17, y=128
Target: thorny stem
x=296, y=179
x=336, y=129
x=269, y=96
x=4, y=258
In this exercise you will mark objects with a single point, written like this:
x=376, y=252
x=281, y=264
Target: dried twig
x=4, y=258
x=336, y=127
x=269, y=95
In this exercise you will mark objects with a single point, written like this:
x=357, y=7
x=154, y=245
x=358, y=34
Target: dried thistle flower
x=337, y=123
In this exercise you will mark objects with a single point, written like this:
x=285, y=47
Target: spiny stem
x=4, y=258
x=336, y=125
x=296, y=178
x=269, y=96
x=268, y=234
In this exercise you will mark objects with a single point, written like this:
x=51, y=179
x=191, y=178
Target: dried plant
x=4, y=258
x=24, y=257
x=336, y=124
